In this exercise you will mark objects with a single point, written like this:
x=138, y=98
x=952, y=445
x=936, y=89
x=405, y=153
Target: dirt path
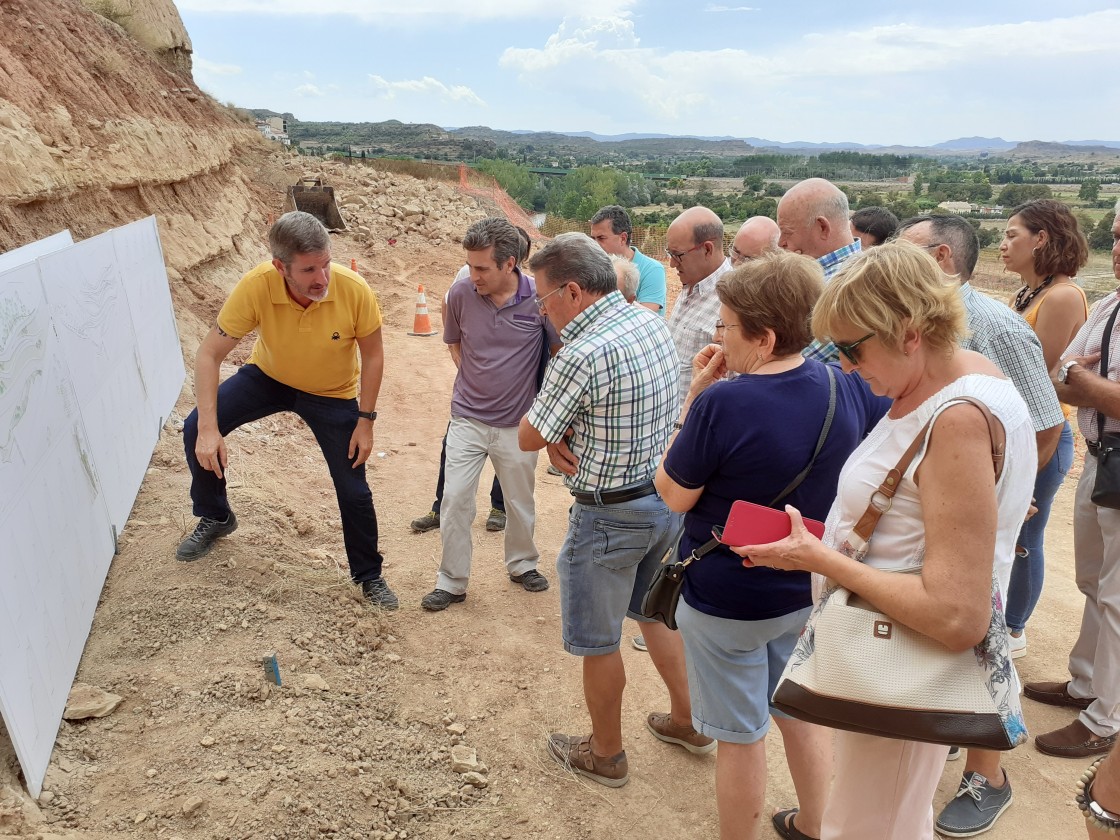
x=357, y=741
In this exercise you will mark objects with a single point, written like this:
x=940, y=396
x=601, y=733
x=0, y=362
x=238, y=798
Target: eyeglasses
x=849, y=350
x=539, y=301
x=934, y=245
x=676, y=255
x=736, y=256
x=720, y=326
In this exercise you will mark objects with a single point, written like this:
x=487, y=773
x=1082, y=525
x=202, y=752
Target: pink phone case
x=751, y=524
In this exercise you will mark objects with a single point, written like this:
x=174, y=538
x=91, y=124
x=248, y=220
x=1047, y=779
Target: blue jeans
x=1029, y=568
x=249, y=395
x=608, y=558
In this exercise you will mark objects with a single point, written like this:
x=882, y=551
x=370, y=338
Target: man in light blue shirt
x=610, y=227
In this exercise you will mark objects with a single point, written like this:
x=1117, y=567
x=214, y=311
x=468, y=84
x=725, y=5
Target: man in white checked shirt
x=611, y=393
x=1094, y=662
x=694, y=245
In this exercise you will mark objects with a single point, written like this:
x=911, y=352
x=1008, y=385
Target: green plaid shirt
x=615, y=383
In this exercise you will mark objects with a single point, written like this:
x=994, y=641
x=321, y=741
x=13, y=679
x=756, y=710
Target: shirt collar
x=708, y=284
x=839, y=255
x=592, y=313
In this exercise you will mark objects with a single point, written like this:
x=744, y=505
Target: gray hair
x=297, y=233
x=576, y=258
x=955, y=232
x=497, y=232
x=628, y=276
x=708, y=232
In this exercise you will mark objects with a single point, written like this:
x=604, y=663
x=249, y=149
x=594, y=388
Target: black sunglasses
x=850, y=350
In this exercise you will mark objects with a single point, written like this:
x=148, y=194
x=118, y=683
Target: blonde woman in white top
x=897, y=324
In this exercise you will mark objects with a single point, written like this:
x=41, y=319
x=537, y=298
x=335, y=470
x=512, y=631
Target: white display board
x=90, y=364
x=29, y=253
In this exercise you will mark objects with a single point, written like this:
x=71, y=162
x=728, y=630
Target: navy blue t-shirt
x=747, y=438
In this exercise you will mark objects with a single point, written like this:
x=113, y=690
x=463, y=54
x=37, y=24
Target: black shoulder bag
x=660, y=601
x=1106, y=487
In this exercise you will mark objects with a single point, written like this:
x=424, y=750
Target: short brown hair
x=889, y=289
x=1066, y=248
x=775, y=291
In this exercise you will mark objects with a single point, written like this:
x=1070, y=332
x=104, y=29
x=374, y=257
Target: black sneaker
x=532, y=581
x=441, y=599
x=202, y=540
x=428, y=522
x=378, y=593
x=496, y=521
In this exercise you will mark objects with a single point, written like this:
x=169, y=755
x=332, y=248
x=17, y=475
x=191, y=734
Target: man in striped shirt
x=605, y=413
x=813, y=220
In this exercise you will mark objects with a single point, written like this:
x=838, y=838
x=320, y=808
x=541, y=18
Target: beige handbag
x=857, y=669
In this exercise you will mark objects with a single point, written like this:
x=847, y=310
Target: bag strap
x=870, y=519
x=793, y=485
x=712, y=544
x=1106, y=340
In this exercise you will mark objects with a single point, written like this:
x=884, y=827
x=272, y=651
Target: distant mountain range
x=428, y=140
x=961, y=144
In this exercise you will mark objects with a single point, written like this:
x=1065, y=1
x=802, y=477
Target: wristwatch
x=1063, y=371
x=372, y=415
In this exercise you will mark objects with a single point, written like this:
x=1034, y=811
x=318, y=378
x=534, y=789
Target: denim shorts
x=609, y=556
x=733, y=668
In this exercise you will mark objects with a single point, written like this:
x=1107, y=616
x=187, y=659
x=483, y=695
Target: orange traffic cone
x=422, y=324
x=353, y=264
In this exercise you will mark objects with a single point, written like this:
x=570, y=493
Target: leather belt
x=614, y=497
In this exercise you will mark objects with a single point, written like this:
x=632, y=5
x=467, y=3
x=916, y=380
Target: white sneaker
x=1018, y=644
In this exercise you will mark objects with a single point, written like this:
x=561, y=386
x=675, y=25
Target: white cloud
x=308, y=90
x=817, y=69
x=427, y=86
x=212, y=68
x=391, y=11
x=713, y=8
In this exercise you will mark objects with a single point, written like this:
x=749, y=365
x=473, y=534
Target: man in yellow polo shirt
x=318, y=354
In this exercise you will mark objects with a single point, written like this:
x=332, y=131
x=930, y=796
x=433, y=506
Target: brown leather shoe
x=1074, y=741
x=1055, y=694
x=574, y=753
x=662, y=726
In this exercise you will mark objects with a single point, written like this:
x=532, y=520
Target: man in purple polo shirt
x=496, y=335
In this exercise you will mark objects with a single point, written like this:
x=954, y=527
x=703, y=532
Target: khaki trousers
x=1094, y=662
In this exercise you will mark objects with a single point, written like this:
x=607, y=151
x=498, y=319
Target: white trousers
x=882, y=789
x=469, y=443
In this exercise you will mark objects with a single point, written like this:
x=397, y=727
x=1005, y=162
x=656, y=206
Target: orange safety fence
x=486, y=187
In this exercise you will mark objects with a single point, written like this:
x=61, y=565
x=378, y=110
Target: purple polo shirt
x=500, y=352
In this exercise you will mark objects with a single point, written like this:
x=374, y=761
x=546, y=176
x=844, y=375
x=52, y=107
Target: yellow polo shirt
x=312, y=349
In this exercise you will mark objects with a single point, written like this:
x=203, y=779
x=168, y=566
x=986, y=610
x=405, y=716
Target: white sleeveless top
x=899, y=540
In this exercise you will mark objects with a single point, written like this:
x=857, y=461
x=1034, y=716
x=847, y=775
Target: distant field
x=1096, y=277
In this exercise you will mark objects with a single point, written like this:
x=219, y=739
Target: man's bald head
x=758, y=235
x=694, y=241
x=813, y=218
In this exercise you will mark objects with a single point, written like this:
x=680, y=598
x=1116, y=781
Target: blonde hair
x=889, y=289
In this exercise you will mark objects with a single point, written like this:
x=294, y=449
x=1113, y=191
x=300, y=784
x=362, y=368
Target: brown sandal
x=574, y=753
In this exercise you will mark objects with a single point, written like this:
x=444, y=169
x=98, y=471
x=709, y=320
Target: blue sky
x=868, y=71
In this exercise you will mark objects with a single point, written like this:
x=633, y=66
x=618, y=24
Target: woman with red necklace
x=1045, y=247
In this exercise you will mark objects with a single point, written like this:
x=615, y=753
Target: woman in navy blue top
x=747, y=438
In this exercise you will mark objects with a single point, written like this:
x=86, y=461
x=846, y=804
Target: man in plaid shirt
x=813, y=220
x=605, y=413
